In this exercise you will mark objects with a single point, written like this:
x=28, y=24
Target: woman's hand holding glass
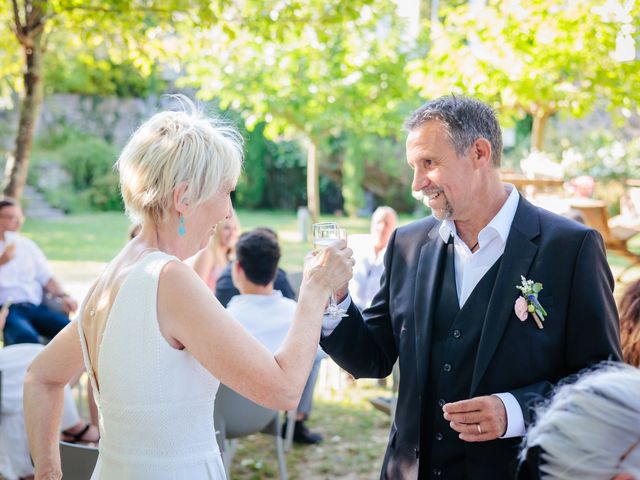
x=327, y=236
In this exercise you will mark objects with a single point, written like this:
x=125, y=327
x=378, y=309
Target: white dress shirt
x=469, y=270
x=365, y=282
x=266, y=317
x=24, y=276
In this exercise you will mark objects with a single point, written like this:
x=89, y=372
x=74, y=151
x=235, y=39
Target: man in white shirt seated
x=369, y=264
x=265, y=313
x=24, y=279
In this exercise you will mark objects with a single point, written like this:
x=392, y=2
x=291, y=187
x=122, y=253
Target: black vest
x=453, y=347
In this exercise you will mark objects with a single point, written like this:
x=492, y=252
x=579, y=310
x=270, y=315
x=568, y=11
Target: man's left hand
x=478, y=419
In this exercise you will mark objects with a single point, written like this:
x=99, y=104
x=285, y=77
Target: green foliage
x=352, y=179
x=320, y=68
x=286, y=178
x=89, y=161
x=251, y=186
x=274, y=173
x=83, y=74
x=537, y=57
x=602, y=156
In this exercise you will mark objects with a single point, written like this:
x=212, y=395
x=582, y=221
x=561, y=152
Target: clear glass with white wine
x=326, y=234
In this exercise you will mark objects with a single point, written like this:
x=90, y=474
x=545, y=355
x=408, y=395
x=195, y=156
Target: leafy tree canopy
x=536, y=57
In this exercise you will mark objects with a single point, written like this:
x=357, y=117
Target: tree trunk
x=31, y=39
x=313, y=184
x=537, y=130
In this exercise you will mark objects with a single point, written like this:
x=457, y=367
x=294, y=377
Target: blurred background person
x=226, y=289
x=630, y=324
x=590, y=429
x=369, y=257
x=15, y=460
x=266, y=313
x=211, y=261
x=25, y=279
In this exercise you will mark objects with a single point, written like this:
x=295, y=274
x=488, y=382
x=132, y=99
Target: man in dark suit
x=473, y=358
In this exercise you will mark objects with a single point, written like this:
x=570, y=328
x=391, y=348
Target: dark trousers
x=26, y=322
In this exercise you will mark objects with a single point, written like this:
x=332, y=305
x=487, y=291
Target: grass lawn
x=355, y=438
x=98, y=236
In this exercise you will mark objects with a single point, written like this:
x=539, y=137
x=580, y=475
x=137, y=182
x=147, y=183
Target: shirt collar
x=501, y=223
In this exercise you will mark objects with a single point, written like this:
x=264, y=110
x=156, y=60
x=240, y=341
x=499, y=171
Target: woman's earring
x=181, y=228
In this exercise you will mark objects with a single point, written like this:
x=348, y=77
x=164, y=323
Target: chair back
x=295, y=280
x=238, y=416
x=595, y=215
x=78, y=461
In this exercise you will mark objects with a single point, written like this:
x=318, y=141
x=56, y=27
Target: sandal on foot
x=70, y=437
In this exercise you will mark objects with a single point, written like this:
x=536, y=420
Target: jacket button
x=457, y=334
x=439, y=436
x=441, y=402
x=446, y=367
x=437, y=472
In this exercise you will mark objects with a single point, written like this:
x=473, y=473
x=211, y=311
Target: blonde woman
x=155, y=341
x=211, y=261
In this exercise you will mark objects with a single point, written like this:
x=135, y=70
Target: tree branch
x=16, y=16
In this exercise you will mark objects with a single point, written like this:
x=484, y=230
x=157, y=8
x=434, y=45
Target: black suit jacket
x=513, y=356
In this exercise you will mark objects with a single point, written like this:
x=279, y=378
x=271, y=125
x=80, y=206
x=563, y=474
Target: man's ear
x=179, y=198
x=481, y=152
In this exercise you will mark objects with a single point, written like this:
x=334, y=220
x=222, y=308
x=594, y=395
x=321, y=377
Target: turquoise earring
x=181, y=228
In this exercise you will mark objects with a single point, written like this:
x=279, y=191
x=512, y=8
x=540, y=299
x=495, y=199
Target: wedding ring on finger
x=479, y=429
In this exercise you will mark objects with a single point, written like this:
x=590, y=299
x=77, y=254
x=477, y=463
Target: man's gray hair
x=591, y=428
x=465, y=120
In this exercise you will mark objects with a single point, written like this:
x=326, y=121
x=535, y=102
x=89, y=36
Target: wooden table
x=520, y=182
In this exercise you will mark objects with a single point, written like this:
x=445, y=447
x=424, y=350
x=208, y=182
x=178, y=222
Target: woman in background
x=211, y=261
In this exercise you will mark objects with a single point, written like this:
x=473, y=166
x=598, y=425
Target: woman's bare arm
x=190, y=314
x=44, y=386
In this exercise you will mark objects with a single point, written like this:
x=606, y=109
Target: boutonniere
x=528, y=303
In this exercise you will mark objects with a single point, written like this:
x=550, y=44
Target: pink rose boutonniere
x=528, y=302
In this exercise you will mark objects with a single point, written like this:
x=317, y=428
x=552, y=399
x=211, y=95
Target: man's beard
x=441, y=213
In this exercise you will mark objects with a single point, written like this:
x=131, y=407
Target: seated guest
x=225, y=289
x=24, y=280
x=15, y=461
x=630, y=324
x=590, y=430
x=369, y=265
x=266, y=313
x=211, y=261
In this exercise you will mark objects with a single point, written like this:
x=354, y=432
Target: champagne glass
x=324, y=235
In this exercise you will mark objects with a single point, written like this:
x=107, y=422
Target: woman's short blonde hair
x=174, y=147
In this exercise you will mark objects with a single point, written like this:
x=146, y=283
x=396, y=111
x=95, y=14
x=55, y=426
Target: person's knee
x=18, y=329
x=13, y=336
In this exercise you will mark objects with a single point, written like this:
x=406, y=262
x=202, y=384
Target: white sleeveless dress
x=155, y=402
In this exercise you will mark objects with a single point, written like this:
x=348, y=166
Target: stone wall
x=111, y=118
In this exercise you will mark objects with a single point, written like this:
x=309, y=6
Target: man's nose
x=420, y=181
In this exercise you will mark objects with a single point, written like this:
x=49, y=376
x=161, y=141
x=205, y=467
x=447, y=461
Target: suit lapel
x=430, y=268
x=517, y=258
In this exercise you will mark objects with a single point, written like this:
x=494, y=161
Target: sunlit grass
x=355, y=438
